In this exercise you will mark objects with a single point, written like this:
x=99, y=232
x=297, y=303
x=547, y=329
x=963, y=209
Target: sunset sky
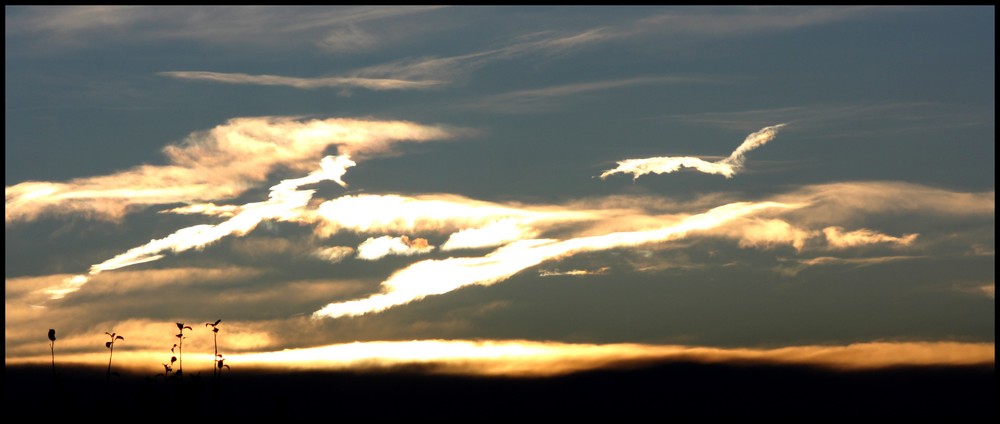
x=341, y=185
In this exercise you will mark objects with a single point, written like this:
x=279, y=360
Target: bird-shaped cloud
x=726, y=167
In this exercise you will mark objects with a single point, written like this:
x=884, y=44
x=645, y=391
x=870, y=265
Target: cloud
x=765, y=233
x=530, y=358
x=796, y=266
x=989, y=290
x=574, y=272
x=490, y=235
x=976, y=288
x=450, y=68
x=839, y=203
x=334, y=253
x=348, y=38
x=527, y=238
x=432, y=277
x=494, y=223
x=257, y=26
x=378, y=84
x=839, y=121
x=221, y=163
x=726, y=167
x=838, y=239
x=982, y=250
x=737, y=21
x=377, y=248
x=210, y=209
x=534, y=100
x=285, y=198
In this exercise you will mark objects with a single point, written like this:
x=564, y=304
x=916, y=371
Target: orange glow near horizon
x=533, y=358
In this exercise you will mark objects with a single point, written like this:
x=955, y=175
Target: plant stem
x=215, y=361
x=109, y=359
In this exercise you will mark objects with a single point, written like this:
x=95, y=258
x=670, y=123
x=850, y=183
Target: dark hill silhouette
x=658, y=390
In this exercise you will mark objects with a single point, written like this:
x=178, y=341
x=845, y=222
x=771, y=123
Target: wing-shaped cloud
x=220, y=163
x=284, y=199
x=726, y=167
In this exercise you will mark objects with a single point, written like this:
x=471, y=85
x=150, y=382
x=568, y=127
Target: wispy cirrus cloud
x=314, y=26
x=840, y=239
x=726, y=167
x=573, y=272
x=736, y=21
x=794, y=266
x=451, y=68
x=220, y=163
x=989, y=290
x=845, y=120
x=539, y=99
x=793, y=221
x=422, y=279
x=843, y=202
x=377, y=84
x=765, y=233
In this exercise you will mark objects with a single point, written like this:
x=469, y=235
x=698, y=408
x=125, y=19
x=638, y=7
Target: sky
x=500, y=186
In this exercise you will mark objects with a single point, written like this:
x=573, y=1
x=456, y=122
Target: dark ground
x=661, y=390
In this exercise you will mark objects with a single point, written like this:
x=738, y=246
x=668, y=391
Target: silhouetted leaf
x=107, y=345
x=173, y=359
x=52, y=334
x=179, y=335
x=187, y=327
x=215, y=330
x=120, y=338
x=227, y=367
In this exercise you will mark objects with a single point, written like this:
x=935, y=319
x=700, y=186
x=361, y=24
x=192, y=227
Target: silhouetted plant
x=111, y=345
x=168, y=369
x=180, y=346
x=219, y=364
x=215, y=338
x=52, y=347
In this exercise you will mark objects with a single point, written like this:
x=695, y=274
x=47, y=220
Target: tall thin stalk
x=52, y=347
x=215, y=339
x=180, y=346
x=111, y=345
